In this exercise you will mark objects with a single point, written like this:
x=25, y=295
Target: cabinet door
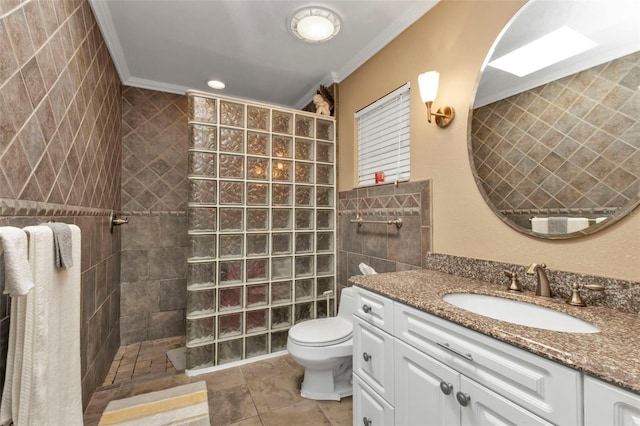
x=605, y=404
x=425, y=389
x=369, y=408
x=373, y=358
x=546, y=388
x=486, y=407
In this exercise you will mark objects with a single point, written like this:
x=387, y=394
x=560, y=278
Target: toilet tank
x=345, y=309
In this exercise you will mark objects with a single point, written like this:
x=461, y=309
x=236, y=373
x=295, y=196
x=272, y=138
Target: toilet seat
x=321, y=332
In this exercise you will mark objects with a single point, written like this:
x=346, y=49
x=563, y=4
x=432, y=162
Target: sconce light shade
x=428, y=83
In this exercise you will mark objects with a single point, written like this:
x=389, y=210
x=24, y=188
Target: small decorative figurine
x=322, y=106
x=323, y=100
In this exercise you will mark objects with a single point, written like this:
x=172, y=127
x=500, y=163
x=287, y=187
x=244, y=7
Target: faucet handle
x=594, y=287
x=515, y=283
x=576, y=298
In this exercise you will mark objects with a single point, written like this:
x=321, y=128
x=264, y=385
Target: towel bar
x=359, y=220
x=589, y=219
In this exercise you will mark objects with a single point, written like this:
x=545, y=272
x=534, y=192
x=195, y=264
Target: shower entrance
x=261, y=226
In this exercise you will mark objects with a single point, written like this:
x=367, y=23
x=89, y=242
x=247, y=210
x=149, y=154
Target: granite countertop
x=611, y=355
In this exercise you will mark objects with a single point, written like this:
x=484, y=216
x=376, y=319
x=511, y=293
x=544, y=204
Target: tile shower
x=261, y=222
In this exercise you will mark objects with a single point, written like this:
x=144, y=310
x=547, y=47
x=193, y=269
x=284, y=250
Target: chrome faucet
x=542, y=289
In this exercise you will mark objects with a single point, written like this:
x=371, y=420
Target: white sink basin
x=521, y=313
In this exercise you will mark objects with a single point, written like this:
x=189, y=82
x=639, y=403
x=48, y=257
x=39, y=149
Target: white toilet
x=324, y=347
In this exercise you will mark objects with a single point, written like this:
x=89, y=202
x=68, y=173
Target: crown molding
x=155, y=85
x=105, y=23
x=104, y=19
x=411, y=15
x=327, y=80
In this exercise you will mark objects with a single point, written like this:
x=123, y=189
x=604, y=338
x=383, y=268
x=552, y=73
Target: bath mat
x=184, y=405
x=178, y=358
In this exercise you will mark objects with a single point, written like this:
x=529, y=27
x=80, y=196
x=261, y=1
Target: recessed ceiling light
x=314, y=24
x=216, y=84
x=549, y=49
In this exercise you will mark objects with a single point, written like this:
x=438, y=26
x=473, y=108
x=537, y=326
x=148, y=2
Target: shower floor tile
x=142, y=360
x=262, y=393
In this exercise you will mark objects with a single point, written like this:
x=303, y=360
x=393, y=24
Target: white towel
x=540, y=225
x=17, y=273
x=43, y=383
x=575, y=224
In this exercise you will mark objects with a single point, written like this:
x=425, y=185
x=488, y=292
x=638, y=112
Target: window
x=383, y=138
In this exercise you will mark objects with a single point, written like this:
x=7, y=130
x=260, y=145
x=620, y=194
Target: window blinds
x=383, y=138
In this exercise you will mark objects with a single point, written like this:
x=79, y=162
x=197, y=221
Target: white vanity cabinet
x=605, y=404
x=430, y=393
x=495, y=376
x=428, y=371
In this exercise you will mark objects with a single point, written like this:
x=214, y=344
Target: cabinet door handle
x=366, y=421
x=463, y=398
x=446, y=388
x=366, y=356
x=366, y=308
x=455, y=351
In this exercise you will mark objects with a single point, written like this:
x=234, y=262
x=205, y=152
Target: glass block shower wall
x=261, y=227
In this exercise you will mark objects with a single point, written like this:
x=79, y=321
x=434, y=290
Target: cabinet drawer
x=373, y=308
x=369, y=408
x=373, y=357
x=610, y=405
x=541, y=386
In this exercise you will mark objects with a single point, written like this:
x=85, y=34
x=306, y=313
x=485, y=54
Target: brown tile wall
x=60, y=153
x=384, y=247
x=154, y=196
x=569, y=145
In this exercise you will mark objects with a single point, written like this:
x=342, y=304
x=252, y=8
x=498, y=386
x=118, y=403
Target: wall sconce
x=428, y=83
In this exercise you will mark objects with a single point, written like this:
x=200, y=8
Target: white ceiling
x=613, y=24
x=175, y=45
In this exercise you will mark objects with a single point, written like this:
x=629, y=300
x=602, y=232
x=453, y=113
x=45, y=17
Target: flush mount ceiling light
x=314, y=24
x=216, y=84
x=549, y=49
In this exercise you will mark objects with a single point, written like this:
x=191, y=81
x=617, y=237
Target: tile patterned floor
x=142, y=360
x=263, y=393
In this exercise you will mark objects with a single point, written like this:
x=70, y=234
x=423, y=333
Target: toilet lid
x=321, y=332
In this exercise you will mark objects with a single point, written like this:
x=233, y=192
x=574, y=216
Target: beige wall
x=453, y=38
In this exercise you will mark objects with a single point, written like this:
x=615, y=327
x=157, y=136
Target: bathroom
x=58, y=84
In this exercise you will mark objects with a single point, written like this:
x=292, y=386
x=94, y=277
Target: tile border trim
x=10, y=207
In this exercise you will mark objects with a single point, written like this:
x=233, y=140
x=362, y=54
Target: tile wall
x=154, y=197
x=384, y=247
x=60, y=153
x=570, y=144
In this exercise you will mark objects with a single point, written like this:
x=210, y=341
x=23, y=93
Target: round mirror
x=555, y=130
